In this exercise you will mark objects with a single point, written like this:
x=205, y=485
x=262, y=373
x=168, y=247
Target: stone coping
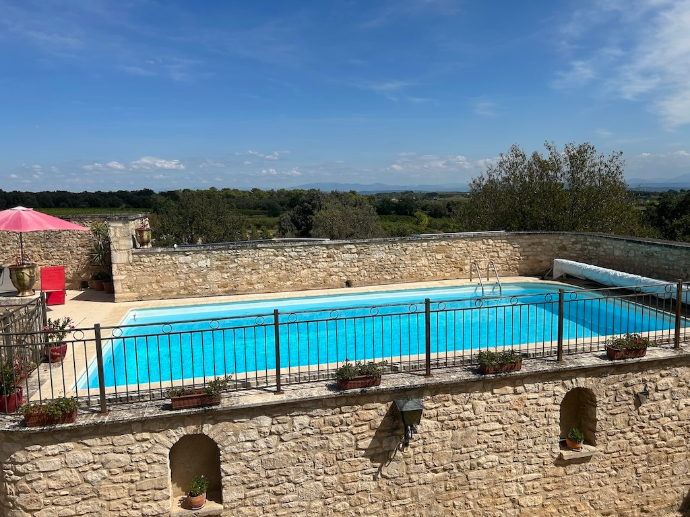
x=393, y=386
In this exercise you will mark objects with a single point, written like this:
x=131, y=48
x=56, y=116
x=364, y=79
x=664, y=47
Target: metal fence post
x=427, y=332
x=679, y=305
x=101, y=369
x=276, y=329
x=561, y=297
x=43, y=308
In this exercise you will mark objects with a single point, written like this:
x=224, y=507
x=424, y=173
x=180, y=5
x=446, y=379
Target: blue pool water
x=239, y=338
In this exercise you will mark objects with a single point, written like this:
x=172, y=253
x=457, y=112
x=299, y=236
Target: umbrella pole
x=21, y=249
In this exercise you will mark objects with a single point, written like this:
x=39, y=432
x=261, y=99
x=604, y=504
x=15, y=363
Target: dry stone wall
x=289, y=266
x=486, y=447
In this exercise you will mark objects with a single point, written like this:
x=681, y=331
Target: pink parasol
x=20, y=219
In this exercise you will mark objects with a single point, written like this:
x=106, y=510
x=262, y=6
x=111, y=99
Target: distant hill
x=677, y=183
x=376, y=188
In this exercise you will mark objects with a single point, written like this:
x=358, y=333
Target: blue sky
x=163, y=94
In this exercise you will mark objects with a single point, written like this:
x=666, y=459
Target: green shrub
x=576, y=435
x=56, y=408
x=214, y=388
x=198, y=486
x=349, y=371
x=489, y=358
x=630, y=341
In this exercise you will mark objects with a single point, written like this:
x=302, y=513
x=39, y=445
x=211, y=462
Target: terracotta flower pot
x=575, y=446
x=198, y=399
x=509, y=367
x=361, y=381
x=97, y=285
x=40, y=419
x=108, y=287
x=195, y=502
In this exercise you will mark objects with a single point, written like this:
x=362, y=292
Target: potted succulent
x=61, y=410
x=629, y=345
x=503, y=361
x=359, y=375
x=191, y=397
x=574, y=439
x=196, y=498
x=11, y=395
x=56, y=331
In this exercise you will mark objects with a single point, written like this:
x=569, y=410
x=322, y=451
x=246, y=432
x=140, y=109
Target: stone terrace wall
x=486, y=447
x=273, y=267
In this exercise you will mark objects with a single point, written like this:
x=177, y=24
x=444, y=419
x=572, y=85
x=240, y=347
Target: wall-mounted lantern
x=411, y=412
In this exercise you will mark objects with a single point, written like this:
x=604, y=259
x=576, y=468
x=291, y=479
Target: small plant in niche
x=575, y=439
x=196, y=498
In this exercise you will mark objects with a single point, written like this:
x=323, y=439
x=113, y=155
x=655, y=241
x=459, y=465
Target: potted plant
x=196, y=498
x=359, y=375
x=629, y=345
x=56, y=331
x=100, y=254
x=23, y=274
x=574, y=439
x=11, y=395
x=503, y=361
x=107, y=282
x=143, y=235
x=61, y=410
x=191, y=397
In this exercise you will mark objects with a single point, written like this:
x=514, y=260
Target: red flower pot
x=509, y=367
x=195, y=502
x=10, y=403
x=39, y=418
x=56, y=353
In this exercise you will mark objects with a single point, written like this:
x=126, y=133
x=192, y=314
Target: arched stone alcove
x=194, y=455
x=579, y=409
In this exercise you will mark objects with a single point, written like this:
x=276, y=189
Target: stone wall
x=486, y=447
x=63, y=248
x=288, y=266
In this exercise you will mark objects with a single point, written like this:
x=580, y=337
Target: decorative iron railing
x=110, y=365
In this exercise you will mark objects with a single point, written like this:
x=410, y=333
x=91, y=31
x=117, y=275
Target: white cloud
x=485, y=108
x=272, y=172
x=153, y=163
x=211, y=164
x=396, y=167
x=274, y=156
x=110, y=166
x=642, y=55
x=246, y=162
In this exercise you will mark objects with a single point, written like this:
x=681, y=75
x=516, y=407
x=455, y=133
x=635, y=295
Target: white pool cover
x=605, y=276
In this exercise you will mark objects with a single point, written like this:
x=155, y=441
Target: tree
x=346, y=216
x=571, y=190
x=670, y=216
x=194, y=217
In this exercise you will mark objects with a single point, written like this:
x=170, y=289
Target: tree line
x=569, y=189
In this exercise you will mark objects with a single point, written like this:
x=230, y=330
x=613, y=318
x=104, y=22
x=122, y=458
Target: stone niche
x=194, y=455
x=579, y=409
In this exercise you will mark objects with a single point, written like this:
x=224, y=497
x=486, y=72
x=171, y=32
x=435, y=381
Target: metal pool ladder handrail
x=492, y=264
x=479, y=274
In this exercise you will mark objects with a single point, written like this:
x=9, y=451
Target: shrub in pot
x=56, y=331
x=61, y=410
x=196, y=498
x=574, y=439
x=11, y=396
x=359, y=375
x=629, y=345
x=190, y=397
x=503, y=361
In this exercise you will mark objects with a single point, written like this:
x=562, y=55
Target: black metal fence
x=108, y=365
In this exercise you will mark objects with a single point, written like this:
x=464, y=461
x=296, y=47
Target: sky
x=110, y=95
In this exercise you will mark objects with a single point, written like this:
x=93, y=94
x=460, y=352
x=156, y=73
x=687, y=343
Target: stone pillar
x=120, y=233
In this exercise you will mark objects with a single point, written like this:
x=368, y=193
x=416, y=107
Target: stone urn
x=143, y=237
x=23, y=278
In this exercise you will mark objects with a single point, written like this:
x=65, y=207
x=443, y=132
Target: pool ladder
x=489, y=266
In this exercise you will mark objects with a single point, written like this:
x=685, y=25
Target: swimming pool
x=239, y=338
